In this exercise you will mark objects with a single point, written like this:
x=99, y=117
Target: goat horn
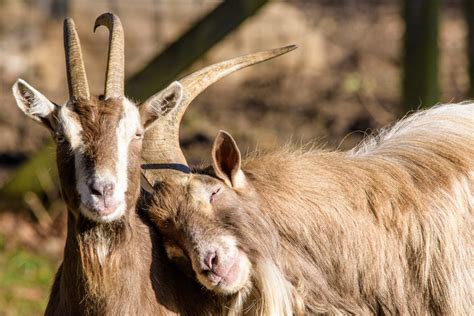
x=114, y=82
x=76, y=73
x=161, y=144
x=198, y=81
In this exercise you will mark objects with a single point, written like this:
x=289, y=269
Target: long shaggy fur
x=384, y=228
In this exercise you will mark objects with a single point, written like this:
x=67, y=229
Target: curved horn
x=76, y=73
x=161, y=142
x=114, y=82
x=198, y=81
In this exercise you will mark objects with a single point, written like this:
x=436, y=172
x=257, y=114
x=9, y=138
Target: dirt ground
x=340, y=84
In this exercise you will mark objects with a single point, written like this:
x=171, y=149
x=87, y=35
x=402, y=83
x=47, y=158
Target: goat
x=385, y=228
x=113, y=259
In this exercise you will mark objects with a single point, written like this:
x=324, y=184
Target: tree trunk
x=177, y=57
x=420, y=78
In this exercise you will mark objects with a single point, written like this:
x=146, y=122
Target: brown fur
x=99, y=117
x=386, y=228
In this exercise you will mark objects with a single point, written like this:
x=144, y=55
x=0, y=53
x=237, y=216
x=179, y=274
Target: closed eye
x=214, y=194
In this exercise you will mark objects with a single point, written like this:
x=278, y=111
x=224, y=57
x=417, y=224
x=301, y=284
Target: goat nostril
x=96, y=189
x=210, y=261
x=101, y=189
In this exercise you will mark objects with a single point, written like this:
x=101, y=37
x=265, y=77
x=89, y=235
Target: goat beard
x=99, y=245
x=269, y=292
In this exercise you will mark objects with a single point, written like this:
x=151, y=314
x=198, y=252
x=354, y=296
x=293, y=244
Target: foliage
x=25, y=280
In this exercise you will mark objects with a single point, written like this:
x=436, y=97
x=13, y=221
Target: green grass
x=25, y=281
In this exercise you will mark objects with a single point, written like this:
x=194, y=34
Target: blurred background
x=360, y=65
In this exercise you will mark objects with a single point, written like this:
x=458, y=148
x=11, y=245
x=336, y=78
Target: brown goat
x=114, y=262
x=386, y=228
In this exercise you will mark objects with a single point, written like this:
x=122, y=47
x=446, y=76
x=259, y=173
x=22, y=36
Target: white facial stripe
x=87, y=199
x=71, y=125
x=126, y=130
x=117, y=174
x=131, y=118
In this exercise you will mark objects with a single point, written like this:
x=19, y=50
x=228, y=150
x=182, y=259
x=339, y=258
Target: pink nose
x=217, y=269
x=103, y=189
x=210, y=261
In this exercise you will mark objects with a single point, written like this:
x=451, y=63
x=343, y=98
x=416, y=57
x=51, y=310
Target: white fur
x=71, y=125
x=443, y=119
x=32, y=102
x=156, y=104
x=238, y=179
x=102, y=247
x=276, y=290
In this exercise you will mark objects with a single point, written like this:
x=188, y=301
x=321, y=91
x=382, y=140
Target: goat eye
x=138, y=135
x=214, y=194
x=60, y=138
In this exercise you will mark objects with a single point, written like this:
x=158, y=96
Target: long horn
x=161, y=143
x=114, y=82
x=76, y=73
x=198, y=81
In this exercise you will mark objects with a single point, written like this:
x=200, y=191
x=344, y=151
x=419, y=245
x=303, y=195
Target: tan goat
x=113, y=259
x=386, y=228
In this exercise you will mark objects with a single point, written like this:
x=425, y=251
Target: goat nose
x=102, y=189
x=210, y=260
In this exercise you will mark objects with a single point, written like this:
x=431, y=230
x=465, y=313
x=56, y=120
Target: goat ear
x=161, y=103
x=226, y=160
x=33, y=103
